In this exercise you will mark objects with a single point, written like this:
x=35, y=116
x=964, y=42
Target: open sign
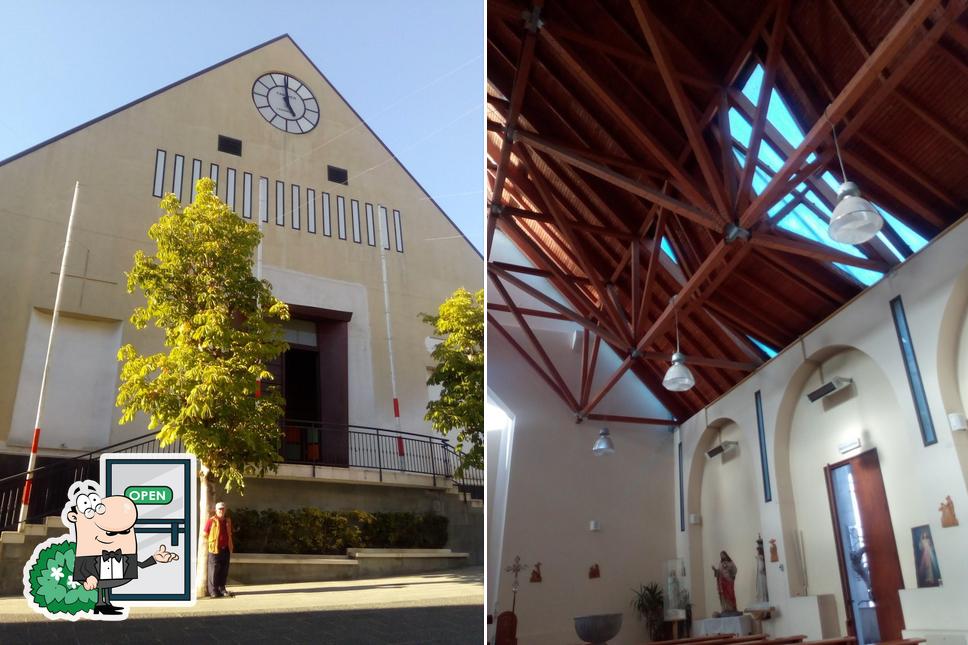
x=149, y=494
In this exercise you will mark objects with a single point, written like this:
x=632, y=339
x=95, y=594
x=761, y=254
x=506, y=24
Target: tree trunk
x=206, y=508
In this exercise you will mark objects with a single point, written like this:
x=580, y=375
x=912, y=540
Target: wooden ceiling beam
x=530, y=361
x=628, y=165
x=650, y=272
x=526, y=328
x=815, y=251
x=855, y=89
x=741, y=318
x=912, y=57
x=517, y=268
x=539, y=257
x=809, y=278
x=721, y=363
x=630, y=53
x=589, y=268
x=607, y=174
x=650, y=28
x=554, y=304
x=635, y=254
x=625, y=419
x=574, y=224
x=516, y=100
x=534, y=313
x=683, y=182
x=763, y=101
x=859, y=163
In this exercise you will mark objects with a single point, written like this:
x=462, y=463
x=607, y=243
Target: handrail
x=77, y=457
x=378, y=448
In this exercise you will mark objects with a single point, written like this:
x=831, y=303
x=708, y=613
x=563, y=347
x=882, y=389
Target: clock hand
x=285, y=95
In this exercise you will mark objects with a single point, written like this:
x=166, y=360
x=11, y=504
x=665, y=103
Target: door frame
x=841, y=563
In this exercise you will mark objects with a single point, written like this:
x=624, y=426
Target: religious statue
x=672, y=591
x=762, y=595
x=726, y=585
x=948, y=517
x=774, y=556
x=594, y=572
x=536, y=573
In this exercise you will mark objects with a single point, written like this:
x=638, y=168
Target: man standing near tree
x=218, y=531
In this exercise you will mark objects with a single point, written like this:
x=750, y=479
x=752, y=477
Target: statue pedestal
x=738, y=625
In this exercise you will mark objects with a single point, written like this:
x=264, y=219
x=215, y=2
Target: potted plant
x=649, y=603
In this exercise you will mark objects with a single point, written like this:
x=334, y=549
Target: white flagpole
x=384, y=243
x=25, y=502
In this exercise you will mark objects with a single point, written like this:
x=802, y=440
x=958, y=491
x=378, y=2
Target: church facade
x=287, y=152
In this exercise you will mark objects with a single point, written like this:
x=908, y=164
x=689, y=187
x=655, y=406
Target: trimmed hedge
x=311, y=530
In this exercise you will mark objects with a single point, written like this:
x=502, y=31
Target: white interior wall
x=557, y=486
x=920, y=477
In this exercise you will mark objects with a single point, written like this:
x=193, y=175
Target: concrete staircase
x=16, y=548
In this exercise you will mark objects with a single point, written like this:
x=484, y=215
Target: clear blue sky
x=413, y=70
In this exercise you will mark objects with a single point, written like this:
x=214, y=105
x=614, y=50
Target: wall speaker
x=957, y=421
x=721, y=449
x=833, y=385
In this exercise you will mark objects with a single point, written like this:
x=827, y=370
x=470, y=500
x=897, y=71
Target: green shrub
x=314, y=531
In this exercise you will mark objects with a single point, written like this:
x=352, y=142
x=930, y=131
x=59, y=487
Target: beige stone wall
x=114, y=160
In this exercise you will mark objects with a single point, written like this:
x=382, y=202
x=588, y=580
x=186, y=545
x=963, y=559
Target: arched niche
x=724, y=492
x=807, y=438
x=952, y=361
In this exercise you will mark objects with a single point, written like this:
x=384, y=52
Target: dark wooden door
x=884, y=565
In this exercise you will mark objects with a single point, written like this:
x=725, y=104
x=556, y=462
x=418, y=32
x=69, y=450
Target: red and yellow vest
x=213, y=532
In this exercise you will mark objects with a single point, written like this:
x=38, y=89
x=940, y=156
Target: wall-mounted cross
x=84, y=278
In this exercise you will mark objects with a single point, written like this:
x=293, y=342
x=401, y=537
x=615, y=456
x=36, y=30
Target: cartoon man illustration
x=107, y=549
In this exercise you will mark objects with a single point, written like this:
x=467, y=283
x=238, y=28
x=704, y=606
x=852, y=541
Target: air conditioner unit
x=721, y=449
x=835, y=384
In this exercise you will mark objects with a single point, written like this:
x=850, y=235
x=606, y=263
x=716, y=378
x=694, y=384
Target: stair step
x=35, y=529
x=12, y=537
x=54, y=522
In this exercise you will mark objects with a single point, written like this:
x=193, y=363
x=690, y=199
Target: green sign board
x=149, y=494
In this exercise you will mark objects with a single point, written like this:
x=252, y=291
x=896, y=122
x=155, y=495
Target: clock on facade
x=285, y=102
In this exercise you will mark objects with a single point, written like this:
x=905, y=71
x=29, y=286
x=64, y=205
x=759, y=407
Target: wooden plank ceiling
x=608, y=129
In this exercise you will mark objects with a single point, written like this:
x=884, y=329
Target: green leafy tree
x=460, y=373
x=221, y=327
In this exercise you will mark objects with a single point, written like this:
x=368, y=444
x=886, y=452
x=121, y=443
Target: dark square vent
x=229, y=145
x=338, y=175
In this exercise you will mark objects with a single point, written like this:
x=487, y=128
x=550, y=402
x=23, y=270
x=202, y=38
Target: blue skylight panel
x=769, y=351
x=831, y=180
x=752, y=87
x=782, y=119
x=915, y=241
x=865, y=276
x=668, y=249
x=770, y=157
x=739, y=127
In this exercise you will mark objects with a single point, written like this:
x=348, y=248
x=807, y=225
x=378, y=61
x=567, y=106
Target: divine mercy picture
x=925, y=558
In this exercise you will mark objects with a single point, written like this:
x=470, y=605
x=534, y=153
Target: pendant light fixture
x=603, y=445
x=678, y=378
x=855, y=220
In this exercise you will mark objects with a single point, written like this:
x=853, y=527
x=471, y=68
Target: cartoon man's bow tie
x=107, y=555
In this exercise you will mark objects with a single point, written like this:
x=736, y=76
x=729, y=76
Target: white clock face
x=285, y=102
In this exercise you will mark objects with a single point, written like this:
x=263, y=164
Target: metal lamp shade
x=678, y=378
x=603, y=445
x=855, y=220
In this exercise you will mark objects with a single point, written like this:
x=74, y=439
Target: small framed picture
x=925, y=558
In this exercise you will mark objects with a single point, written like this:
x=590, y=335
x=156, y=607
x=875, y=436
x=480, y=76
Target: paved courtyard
x=444, y=608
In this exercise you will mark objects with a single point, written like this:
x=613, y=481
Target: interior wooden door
x=880, y=547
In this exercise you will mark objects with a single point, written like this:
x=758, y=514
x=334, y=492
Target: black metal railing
x=353, y=446
x=52, y=480
x=302, y=442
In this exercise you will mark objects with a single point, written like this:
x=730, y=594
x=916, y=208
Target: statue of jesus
x=726, y=584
